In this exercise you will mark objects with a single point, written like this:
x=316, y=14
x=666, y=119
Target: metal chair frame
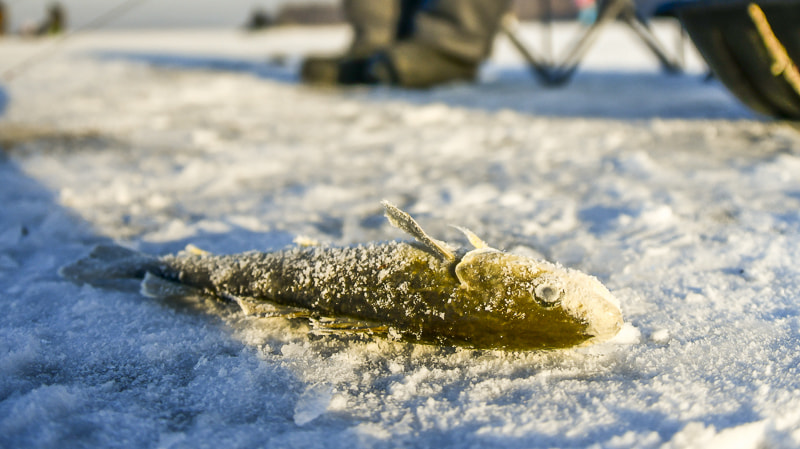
x=553, y=72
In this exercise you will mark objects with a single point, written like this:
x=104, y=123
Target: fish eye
x=548, y=294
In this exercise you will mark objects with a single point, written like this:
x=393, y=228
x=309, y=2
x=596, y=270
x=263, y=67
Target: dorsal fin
x=404, y=222
x=305, y=241
x=474, y=240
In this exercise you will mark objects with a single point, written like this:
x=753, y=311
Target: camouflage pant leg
x=461, y=29
x=374, y=24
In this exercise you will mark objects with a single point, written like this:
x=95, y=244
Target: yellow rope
x=781, y=62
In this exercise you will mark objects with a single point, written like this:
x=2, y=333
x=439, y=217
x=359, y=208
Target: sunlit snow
x=682, y=202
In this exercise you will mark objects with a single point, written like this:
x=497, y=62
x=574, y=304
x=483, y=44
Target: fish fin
x=474, y=240
x=106, y=263
x=305, y=241
x=154, y=286
x=401, y=220
x=325, y=325
x=195, y=251
x=263, y=309
x=111, y=252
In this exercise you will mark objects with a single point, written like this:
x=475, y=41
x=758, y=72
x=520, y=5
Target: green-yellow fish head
x=513, y=302
x=517, y=302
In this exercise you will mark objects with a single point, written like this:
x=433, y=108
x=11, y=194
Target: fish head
x=528, y=303
x=510, y=301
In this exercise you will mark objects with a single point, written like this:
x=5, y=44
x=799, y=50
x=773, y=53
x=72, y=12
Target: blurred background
x=213, y=13
x=152, y=14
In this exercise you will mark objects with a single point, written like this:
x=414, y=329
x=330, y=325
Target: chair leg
x=609, y=12
x=537, y=64
x=671, y=65
x=555, y=73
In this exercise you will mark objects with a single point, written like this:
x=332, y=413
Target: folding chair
x=631, y=12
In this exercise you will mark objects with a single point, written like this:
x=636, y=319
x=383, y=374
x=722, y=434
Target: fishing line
x=55, y=45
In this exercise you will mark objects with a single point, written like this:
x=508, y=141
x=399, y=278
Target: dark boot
x=417, y=65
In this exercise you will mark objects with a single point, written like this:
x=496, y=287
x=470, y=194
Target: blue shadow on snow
x=273, y=70
x=621, y=95
x=3, y=100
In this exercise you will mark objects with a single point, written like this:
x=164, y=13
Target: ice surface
x=681, y=201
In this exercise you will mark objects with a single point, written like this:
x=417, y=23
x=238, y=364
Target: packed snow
x=682, y=202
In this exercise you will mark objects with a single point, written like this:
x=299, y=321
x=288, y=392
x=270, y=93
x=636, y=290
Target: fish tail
x=108, y=262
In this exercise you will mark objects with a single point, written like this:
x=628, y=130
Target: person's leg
x=405, y=22
x=374, y=24
x=412, y=43
x=462, y=29
x=448, y=41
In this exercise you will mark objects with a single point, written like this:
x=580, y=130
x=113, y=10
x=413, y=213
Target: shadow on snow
x=84, y=366
x=276, y=70
x=3, y=100
x=631, y=95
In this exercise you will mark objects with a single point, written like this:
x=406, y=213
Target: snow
x=682, y=202
x=142, y=13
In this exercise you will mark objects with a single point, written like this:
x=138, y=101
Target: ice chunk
x=312, y=403
x=660, y=336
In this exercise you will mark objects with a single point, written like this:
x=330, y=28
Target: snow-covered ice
x=682, y=202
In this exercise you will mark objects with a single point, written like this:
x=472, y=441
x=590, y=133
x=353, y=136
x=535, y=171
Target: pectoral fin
x=263, y=309
x=154, y=286
x=346, y=326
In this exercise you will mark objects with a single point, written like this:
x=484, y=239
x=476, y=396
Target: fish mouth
x=607, y=324
x=593, y=304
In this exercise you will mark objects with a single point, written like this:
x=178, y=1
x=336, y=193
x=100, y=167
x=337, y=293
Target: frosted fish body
x=422, y=291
